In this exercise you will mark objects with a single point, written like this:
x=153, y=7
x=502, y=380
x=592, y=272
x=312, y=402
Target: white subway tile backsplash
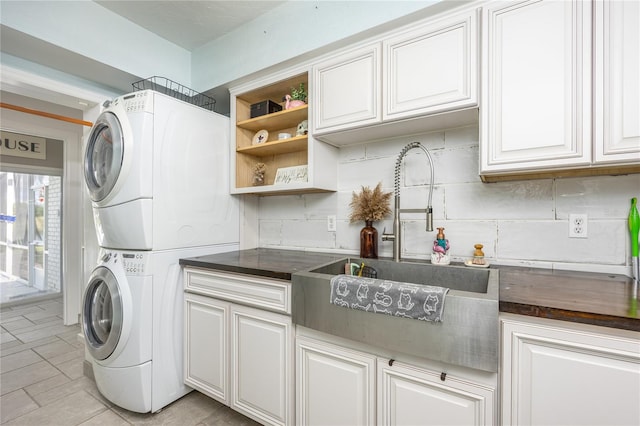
x=549, y=241
x=523, y=223
x=270, y=233
x=392, y=147
x=417, y=198
x=462, y=237
x=458, y=166
x=603, y=197
x=319, y=206
x=505, y=200
x=461, y=137
x=348, y=235
x=367, y=173
x=282, y=207
x=307, y=233
x=351, y=153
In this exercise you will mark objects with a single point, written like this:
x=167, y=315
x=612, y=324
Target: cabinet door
x=409, y=395
x=262, y=365
x=558, y=376
x=536, y=85
x=205, y=346
x=617, y=81
x=432, y=68
x=335, y=385
x=346, y=90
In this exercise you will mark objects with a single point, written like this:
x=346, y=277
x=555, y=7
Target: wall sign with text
x=18, y=145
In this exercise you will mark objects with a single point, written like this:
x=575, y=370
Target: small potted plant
x=370, y=205
x=297, y=98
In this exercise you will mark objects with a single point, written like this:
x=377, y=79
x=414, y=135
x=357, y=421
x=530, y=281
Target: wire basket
x=175, y=90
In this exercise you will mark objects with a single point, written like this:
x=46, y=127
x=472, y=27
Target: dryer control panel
x=141, y=101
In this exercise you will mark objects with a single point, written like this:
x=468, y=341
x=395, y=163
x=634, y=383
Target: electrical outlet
x=331, y=223
x=577, y=225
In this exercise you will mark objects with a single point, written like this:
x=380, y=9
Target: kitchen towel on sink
x=406, y=300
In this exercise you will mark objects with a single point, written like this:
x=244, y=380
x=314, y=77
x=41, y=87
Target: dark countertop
x=590, y=298
x=270, y=263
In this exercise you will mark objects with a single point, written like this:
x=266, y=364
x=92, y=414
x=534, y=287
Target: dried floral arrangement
x=370, y=205
x=259, y=168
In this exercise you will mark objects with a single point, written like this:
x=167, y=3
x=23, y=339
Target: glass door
x=30, y=233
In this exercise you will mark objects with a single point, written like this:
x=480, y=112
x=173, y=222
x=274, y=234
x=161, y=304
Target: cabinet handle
x=391, y=361
x=443, y=376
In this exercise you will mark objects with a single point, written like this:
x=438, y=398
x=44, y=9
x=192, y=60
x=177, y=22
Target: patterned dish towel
x=406, y=300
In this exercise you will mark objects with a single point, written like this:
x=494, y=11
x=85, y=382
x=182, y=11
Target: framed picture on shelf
x=295, y=174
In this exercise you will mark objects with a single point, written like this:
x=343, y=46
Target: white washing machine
x=157, y=171
x=132, y=320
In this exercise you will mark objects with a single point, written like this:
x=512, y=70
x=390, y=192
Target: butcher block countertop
x=590, y=298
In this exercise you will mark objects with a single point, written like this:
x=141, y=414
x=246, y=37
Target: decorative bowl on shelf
x=260, y=137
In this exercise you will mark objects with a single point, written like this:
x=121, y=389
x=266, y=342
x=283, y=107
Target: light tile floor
x=14, y=292
x=42, y=381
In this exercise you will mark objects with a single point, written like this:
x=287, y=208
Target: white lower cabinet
x=240, y=355
x=408, y=395
x=206, y=347
x=338, y=385
x=335, y=385
x=559, y=373
x=262, y=365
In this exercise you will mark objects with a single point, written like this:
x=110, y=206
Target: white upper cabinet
x=536, y=84
x=347, y=90
x=561, y=88
x=401, y=83
x=431, y=68
x=617, y=81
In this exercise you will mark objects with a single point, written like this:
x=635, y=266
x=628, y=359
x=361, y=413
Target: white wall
x=85, y=39
x=522, y=223
x=290, y=30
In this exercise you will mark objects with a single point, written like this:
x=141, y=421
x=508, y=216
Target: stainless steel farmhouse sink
x=467, y=336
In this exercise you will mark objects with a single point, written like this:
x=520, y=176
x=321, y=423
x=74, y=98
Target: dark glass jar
x=369, y=241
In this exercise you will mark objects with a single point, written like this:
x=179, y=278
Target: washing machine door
x=102, y=313
x=103, y=156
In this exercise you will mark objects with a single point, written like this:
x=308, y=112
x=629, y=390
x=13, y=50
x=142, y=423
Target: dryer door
x=103, y=156
x=102, y=313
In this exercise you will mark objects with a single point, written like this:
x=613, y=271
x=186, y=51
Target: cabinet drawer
x=264, y=293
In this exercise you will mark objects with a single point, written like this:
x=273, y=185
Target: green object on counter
x=634, y=226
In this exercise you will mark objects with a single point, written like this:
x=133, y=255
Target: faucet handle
x=387, y=237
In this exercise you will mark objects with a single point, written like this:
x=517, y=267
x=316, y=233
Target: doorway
x=30, y=237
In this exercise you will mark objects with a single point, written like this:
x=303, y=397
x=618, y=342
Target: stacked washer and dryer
x=157, y=170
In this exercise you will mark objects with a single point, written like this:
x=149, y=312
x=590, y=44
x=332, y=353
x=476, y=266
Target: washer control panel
x=134, y=263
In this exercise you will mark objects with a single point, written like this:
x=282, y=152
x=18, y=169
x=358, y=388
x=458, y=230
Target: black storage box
x=264, y=107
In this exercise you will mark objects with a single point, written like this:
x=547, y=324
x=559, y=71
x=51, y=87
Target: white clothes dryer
x=132, y=321
x=157, y=171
